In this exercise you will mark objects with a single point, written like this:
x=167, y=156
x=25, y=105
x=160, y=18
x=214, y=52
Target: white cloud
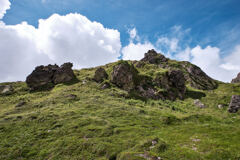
x=136, y=51
x=75, y=38
x=170, y=44
x=57, y=39
x=184, y=55
x=232, y=62
x=4, y=6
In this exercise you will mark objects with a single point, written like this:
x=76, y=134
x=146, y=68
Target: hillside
x=154, y=114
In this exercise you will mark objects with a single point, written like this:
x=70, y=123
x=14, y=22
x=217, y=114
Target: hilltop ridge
x=155, y=108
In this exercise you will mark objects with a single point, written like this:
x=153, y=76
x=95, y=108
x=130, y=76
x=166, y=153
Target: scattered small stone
x=6, y=89
x=20, y=104
x=220, y=106
x=105, y=85
x=234, y=105
x=199, y=104
x=84, y=82
x=72, y=96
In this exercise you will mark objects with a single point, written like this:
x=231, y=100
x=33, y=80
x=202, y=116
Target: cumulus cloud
x=4, y=6
x=135, y=49
x=231, y=62
x=57, y=39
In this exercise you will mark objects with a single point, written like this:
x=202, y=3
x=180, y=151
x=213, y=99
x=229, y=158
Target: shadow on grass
x=195, y=94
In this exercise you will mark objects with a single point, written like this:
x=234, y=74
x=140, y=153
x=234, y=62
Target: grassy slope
x=102, y=124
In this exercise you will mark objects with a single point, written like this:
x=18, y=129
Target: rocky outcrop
x=124, y=75
x=172, y=83
x=63, y=74
x=48, y=76
x=6, y=89
x=234, y=105
x=197, y=78
x=100, y=75
x=237, y=79
x=153, y=57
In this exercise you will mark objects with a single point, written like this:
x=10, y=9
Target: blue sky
x=205, y=32
x=212, y=22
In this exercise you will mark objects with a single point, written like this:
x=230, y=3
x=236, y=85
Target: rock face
x=237, y=79
x=100, y=75
x=234, y=104
x=6, y=89
x=173, y=82
x=63, y=74
x=153, y=57
x=124, y=76
x=44, y=76
x=198, y=79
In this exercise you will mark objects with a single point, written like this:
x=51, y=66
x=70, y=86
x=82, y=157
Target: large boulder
x=6, y=89
x=234, y=105
x=124, y=75
x=48, y=76
x=63, y=74
x=237, y=79
x=100, y=75
x=153, y=57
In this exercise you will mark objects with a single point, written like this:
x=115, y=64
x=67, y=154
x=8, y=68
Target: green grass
x=105, y=125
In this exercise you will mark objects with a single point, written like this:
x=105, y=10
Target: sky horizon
x=91, y=33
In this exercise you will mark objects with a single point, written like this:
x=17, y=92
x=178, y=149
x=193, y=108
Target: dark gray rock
x=237, y=79
x=63, y=74
x=153, y=57
x=6, y=89
x=124, y=76
x=100, y=75
x=48, y=76
x=234, y=105
x=20, y=104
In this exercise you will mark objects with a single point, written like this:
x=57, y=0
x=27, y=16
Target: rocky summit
x=152, y=109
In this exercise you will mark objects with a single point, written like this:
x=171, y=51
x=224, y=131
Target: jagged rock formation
x=194, y=76
x=153, y=57
x=47, y=76
x=237, y=79
x=234, y=105
x=197, y=78
x=124, y=75
x=100, y=75
x=127, y=77
x=6, y=89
